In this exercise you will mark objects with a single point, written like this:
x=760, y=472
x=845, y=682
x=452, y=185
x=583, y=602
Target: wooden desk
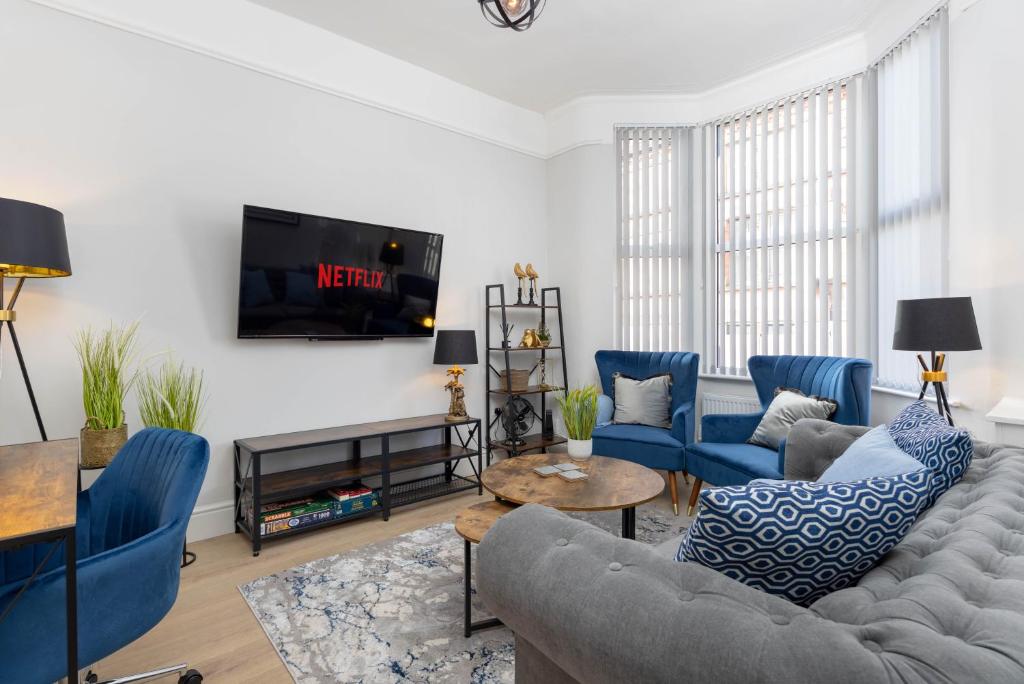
x=38, y=503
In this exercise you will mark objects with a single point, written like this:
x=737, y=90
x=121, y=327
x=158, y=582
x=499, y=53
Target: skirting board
x=211, y=520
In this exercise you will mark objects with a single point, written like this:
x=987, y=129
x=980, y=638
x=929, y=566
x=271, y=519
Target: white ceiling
x=584, y=47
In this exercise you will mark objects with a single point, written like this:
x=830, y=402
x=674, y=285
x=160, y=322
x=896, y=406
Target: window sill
x=953, y=403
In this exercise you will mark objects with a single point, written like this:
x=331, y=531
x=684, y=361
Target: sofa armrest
x=812, y=445
x=683, y=423
x=605, y=609
x=605, y=409
x=729, y=428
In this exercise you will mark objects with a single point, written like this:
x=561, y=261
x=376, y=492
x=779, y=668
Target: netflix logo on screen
x=336, y=275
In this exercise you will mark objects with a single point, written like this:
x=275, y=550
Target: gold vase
x=100, y=446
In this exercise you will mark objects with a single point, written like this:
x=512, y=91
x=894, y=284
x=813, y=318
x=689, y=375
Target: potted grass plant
x=171, y=396
x=579, y=413
x=106, y=357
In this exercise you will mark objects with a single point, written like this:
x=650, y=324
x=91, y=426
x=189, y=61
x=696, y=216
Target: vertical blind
x=782, y=261
x=651, y=312
x=913, y=182
x=810, y=217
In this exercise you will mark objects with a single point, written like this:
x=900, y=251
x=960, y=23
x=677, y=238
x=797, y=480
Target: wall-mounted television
x=322, y=278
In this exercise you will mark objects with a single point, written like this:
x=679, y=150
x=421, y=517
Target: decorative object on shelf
x=506, y=334
x=544, y=336
x=548, y=430
x=517, y=420
x=514, y=380
x=521, y=276
x=33, y=244
x=542, y=381
x=579, y=413
x=532, y=274
x=941, y=323
x=529, y=340
x=455, y=347
x=171, y=397
x=105, y=357
x=517, y=15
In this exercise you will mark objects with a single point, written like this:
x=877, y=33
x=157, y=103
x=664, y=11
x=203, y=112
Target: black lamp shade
x=33, y=243
x=944, y=324
x=455, y=347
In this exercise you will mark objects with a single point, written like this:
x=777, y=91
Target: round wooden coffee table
x=472, y=524
x=612, y=485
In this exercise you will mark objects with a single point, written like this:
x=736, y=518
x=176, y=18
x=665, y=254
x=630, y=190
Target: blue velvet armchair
x=724, y=458
x=130, y=531
x=654, y=447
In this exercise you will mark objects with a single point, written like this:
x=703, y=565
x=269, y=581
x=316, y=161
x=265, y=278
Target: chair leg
x=673, y=490
x=686, y=477
x=694, y=493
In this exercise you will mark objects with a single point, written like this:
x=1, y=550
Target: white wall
x=986, y=144
x=151, y=150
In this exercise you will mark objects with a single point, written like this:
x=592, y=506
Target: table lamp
x=33, y=244
x=931, y=325
x=455, y=347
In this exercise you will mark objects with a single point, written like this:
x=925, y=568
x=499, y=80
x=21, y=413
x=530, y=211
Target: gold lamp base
x=457, y=403
x=936, y=376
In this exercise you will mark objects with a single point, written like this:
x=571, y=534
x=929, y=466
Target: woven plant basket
x=100, y=446
x=520, y=380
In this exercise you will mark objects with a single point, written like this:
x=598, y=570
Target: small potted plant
x=105, y=357
x=171, y=397
x=544, y=336
x=579, y=413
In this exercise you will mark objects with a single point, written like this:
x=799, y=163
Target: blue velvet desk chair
x=129, y=534
x=724, y=458
x=654, y=447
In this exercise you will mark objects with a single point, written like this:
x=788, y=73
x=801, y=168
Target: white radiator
x=725, y=403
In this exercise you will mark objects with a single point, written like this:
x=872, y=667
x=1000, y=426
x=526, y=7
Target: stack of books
x=293, y=514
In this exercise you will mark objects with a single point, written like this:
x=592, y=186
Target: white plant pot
x=581, y=449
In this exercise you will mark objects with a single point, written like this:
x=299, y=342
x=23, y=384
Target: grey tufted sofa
x=946, y=605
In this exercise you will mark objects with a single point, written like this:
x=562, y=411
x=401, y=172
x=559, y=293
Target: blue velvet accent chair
x=130, y=532
x=654, y=447
x=724, y=458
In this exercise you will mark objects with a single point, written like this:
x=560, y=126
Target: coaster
x=566, y=466
x=546, y=471
x=572, y=475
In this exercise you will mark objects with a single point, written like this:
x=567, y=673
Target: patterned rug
x=392, y=611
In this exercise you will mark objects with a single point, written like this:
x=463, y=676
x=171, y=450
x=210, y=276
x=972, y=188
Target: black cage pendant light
x=517, y=15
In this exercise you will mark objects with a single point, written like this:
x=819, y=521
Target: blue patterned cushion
x=803, y=540
x=924, y=434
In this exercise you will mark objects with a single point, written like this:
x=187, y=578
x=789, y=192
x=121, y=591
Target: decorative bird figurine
x=533, y=276
x=521, y=274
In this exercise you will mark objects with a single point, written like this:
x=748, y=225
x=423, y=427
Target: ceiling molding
x=235, y=31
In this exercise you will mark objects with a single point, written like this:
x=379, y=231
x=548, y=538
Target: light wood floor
x=211, y=626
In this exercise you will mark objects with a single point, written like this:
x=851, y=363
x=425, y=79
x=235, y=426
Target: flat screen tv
x=322, y=278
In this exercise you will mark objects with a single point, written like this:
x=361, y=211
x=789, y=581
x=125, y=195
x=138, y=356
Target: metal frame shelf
x=533, y=442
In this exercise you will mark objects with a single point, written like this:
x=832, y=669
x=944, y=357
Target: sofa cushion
x=873, y=454
x=643, y=402
x=925, y=435
x=786, y=408
x=748, y=460
x=803, y=540
x=638, y=433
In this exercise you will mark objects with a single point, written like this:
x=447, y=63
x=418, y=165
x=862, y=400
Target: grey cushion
x=813, y=445
x=785, y=410
x=643, y=402
x=946, y=605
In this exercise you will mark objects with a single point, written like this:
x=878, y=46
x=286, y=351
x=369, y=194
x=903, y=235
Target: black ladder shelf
x=496, y=393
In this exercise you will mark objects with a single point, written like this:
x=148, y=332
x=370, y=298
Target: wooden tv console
x=251, y=453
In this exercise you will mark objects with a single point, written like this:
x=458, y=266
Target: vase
x=100, y=446
x=580, y=449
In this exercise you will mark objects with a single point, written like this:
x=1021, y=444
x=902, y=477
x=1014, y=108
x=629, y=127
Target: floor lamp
x=931, y=325
x=33, y=244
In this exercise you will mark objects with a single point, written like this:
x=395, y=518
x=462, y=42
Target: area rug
x=392, y=611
